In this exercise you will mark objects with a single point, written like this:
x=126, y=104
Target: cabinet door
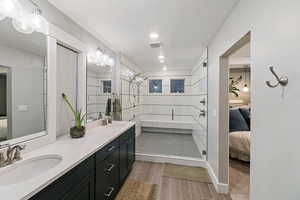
x=83, y=191
x=123, y=161
x=131, y=153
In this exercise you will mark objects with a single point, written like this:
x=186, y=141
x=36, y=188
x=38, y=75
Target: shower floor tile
x=167, y=144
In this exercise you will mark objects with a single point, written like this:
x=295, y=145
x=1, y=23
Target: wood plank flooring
x=171, y=188
x=239, y=180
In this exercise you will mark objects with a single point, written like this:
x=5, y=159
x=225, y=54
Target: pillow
x=246, y=113
x=237, y=121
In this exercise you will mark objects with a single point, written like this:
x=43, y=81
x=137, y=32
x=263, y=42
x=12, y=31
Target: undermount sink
x=28, y=169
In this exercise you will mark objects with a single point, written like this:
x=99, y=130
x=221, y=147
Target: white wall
x=275, y=144
x=67, y=65
x=26, y=75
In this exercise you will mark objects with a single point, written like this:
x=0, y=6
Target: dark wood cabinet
x=97, y=178
x=127, y=154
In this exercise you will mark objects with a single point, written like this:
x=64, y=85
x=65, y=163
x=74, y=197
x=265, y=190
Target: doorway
x=235, y=117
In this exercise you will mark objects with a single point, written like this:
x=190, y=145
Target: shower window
x=155, y=86
x=177, y=86
x=106, y=86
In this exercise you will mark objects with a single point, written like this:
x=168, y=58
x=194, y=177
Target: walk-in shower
x=170, y=109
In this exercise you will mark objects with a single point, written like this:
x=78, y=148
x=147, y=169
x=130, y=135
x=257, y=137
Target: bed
x=3, y=129
x=240, y=134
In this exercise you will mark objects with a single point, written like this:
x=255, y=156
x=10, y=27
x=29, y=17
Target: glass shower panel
x=200, y=102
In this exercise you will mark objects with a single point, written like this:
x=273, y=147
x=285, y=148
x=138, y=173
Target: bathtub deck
x=167, y=144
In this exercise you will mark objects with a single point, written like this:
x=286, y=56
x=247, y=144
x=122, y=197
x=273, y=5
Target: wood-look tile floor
x=239, y=180
x=176, y=189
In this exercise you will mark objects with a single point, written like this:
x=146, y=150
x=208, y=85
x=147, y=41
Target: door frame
x=224, y=107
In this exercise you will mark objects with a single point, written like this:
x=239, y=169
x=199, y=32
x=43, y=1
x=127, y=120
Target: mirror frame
x=54, y=36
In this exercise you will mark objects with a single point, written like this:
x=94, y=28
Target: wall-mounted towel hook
x=283, y=81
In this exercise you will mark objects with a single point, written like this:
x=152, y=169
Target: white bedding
x=3, y=129
x=239, y=144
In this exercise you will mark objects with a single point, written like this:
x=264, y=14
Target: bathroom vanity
x=100, y=176
x=90, y=168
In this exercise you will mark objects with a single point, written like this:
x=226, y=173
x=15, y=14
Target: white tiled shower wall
x=160, y=105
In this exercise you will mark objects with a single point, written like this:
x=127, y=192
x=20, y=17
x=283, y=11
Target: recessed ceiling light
x=162, y=61
x=161, y=57
x=154, y=35
x=165, y=68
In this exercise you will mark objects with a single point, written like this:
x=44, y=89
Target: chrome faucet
x=12, y=154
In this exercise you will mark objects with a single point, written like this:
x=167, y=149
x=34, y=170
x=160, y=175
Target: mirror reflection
x=99, y=89
x=23, y=82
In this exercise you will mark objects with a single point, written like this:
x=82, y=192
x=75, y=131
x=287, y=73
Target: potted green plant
x=232, y=86
x=78, y=130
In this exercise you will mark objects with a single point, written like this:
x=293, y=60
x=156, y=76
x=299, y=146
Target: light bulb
x=99, y=54
x=111, y=62
x=38, y=22
x=105, y=59
x=245, y=88
x=7, y=7
x=22, y=25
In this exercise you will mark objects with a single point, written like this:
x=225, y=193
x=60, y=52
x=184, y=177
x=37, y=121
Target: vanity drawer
x=128, y=134
x=107, y=178
x=107, y=150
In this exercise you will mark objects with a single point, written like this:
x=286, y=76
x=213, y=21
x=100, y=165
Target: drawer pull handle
x=109, y=193
x=111, y=148
x=109, y=169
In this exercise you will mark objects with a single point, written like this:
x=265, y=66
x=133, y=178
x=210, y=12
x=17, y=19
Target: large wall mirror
x=23, y=83
x=99, y=90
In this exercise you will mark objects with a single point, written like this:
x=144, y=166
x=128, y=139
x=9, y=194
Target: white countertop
x=73, y=152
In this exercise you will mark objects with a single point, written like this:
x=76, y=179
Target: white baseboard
x=171, y=159
x=220, y=187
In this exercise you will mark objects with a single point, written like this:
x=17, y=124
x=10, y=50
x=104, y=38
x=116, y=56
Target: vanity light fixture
x=100, y=59
x=26, y=18
x=8, y=8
